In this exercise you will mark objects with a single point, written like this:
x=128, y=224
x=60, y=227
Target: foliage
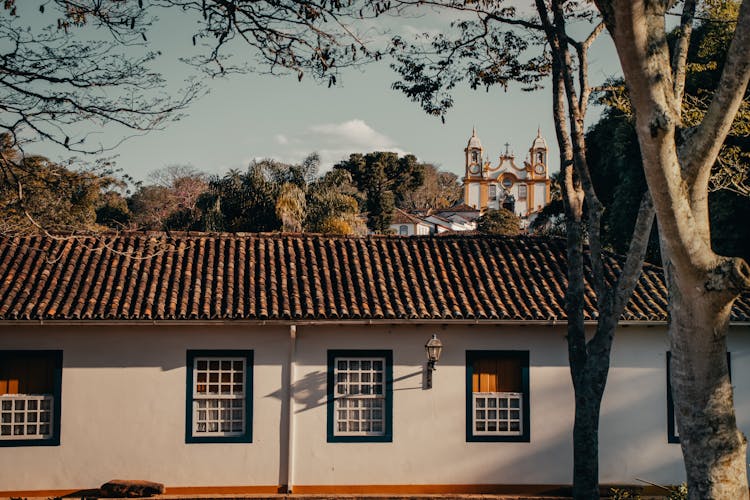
x=500, y=221
x=385, y=179
x=439, y=190
x=170, y=202
x=705, y=61
x=112, y=210
x=39, y=195
x=550, y=220
x=300, y=36
x=84, y=65
x=333, y=206
x=615, y=158
x=483, y=51
x=290, y=207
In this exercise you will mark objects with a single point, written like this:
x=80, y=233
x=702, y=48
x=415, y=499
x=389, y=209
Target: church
x=524, y=188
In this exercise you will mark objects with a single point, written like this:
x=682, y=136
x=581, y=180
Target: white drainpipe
x=290, y=421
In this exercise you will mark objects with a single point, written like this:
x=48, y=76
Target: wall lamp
x=433, y=348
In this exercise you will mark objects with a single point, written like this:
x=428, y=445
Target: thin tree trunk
x=586, y=434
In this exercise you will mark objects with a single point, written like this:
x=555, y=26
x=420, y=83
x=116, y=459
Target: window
x=475, y=156
x=540, y=156
x=497, y=396
x=493, y=192
x=30, y=387
x=522, y=191
x=673, y=435
x=507, y=183
x=219, y=397
x=360, y=397
x=403, y=230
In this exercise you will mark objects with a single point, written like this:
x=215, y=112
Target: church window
x=540, y=157
x=522, y=191
x=507, y=183
x=403, y=230
x=475, y=156
x=493, y=192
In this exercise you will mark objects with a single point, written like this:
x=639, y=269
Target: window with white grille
x=360, y=396
x=220, y=394
x=497, y=396
x=498, y=413
x=30, y=390
x=26, y=417
x=360, y=403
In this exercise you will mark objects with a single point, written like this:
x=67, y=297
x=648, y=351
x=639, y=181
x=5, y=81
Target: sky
x=252, y=116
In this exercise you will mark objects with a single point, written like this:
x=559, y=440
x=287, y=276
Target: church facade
x=524, y=188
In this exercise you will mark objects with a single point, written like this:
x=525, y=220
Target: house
x=457, y=218
x=523, y=189
x=247, y=363
x=406, y=224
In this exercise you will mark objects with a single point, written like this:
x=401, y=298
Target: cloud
x=281, y=139
x=335, y=142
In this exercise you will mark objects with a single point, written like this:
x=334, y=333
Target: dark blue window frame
x=247, y=436
x=672, y=436
x=523, y=356
x=56, y=358
x=387, y=436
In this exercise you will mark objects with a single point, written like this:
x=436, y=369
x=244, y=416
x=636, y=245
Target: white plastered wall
x=473, y=191
x=540, y=198
x=123, y=411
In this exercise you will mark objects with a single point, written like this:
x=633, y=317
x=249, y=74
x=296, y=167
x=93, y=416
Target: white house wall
x=123, y=410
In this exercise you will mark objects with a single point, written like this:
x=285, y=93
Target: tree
x=58, y=76
x=439, y=190
x=485, y=51
x=269, y=196
x=333, y=205
x=297, y=36
x=61, y=82
x=112, y=210
x=702, y=284
x=170, y=202
x=385, y=179
x=38, y=195
x=500, y=221
x=290, y=207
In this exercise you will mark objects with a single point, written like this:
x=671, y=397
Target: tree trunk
x=586, y=438
x=713, y=447
x=702, y=285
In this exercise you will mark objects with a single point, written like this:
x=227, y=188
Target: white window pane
x=360, y=388
x=219, y=396
x=20, y=414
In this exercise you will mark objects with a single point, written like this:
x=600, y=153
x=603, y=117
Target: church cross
x=506, y=148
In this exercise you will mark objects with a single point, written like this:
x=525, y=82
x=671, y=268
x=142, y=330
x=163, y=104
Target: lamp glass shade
x=433, y=348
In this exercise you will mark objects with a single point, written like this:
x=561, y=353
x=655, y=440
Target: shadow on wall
x=311, y=391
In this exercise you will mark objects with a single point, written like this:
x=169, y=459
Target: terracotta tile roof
x=304, y=277
x=401, y=217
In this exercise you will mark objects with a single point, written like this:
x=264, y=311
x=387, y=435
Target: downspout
x=290, y=405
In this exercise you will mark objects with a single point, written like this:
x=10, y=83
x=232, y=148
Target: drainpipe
x=290, y=405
